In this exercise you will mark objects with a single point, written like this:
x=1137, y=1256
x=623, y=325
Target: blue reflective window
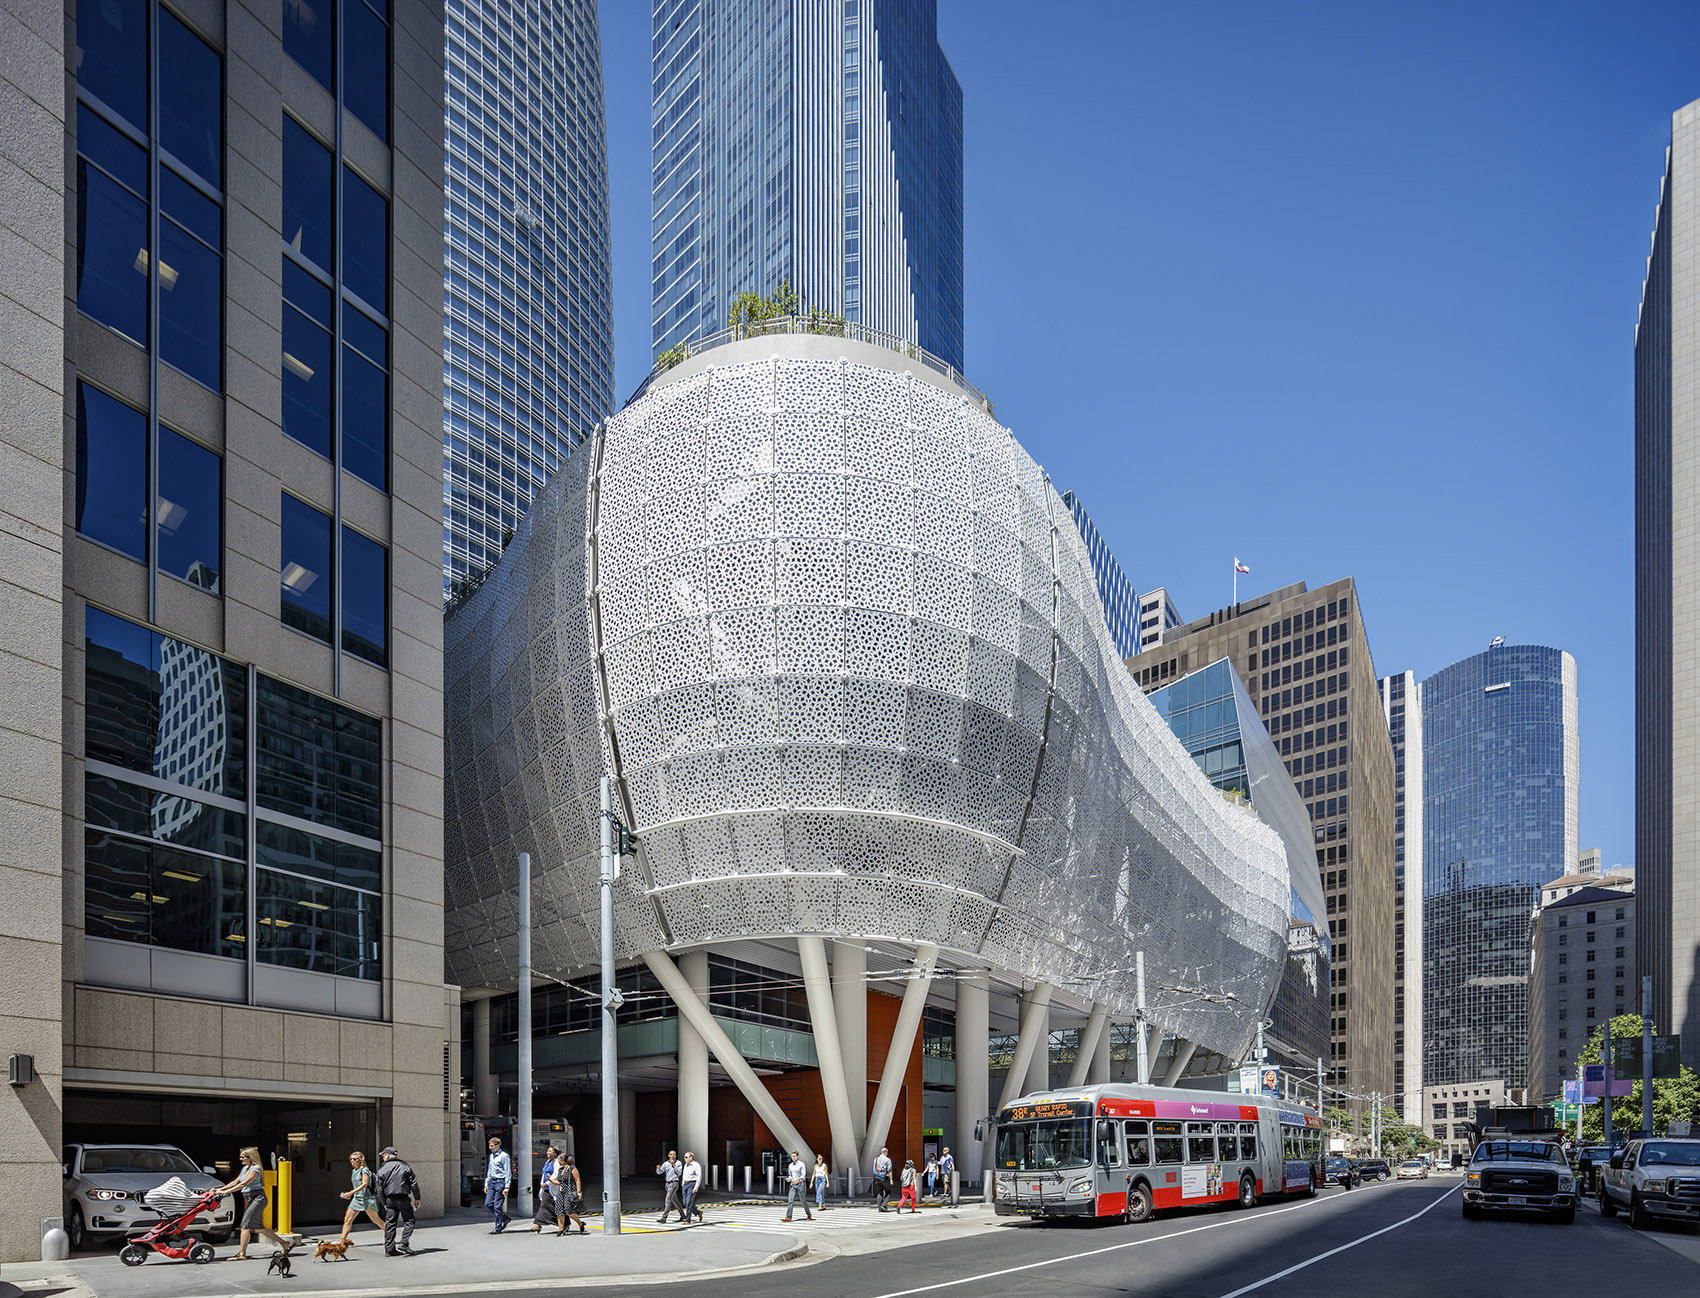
x=318, y=760
x=191, y=510
x=307, y=194
x=364, y=434
x=306, y=376
x=112, y=472
x=191, y=101
x=309, y=37
x=191, y=305
x=366, y=247
x=112, y=150
x=112, y=254
x=112, y=55
x=365, y=598
x=306, y=569
x=366, y=65
x=191, y=209
x=160, y=896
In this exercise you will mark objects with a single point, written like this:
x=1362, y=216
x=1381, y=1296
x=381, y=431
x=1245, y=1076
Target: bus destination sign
x=1049, y=1109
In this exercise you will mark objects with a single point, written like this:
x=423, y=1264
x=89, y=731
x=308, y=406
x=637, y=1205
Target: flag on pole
x=1240, y=567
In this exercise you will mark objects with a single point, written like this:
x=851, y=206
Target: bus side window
x=1138, y=1144
x=1248, y=1142
x=1225, y=1143
x=1166, y=1141
x=1200, y=1143
x=1109, y=1148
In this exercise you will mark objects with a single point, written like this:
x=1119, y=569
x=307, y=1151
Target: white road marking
x=1361, y=1239
x=1239, y=1219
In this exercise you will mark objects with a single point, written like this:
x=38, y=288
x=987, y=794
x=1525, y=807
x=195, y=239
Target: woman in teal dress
x=362, y=1196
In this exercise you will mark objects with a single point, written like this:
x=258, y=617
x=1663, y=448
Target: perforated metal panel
x=846, y=657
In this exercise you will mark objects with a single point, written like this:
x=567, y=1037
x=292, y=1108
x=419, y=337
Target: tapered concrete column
x=693, y=1065
x=897, y=1054
x=973, y=1034
x=743, y=1076
x=1034, y=1024
x=850, y=1003
x=483, y=1081
x=1039, y=1067
x=1184, y=1051
x=1099, y=1071
x=817, y=986
x=1094, y=1030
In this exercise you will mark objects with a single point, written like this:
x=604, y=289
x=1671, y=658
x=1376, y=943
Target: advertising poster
x=1201, y=1180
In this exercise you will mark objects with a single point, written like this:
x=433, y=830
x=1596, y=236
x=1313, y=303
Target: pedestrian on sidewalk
x=947, y=1169
x=674, y=1172
x=882, y=1178
x=398, y=1187
x=498, y=1177
x=796, y=1191
x=572, y=1200
x=363, y=1198
x=820, y=1176
x=932, y=1178
x=547, y=1188
x=690, y=1181
x=250, y=1186
x=910, y=1194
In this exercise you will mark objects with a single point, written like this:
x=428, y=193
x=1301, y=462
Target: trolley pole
x=1647, y=1053
x=1143, y=1051
x=610, y=1030
x=1605, y=1100
x=522, y=1138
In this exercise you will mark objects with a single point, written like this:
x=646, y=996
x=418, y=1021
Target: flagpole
x=1236, y=579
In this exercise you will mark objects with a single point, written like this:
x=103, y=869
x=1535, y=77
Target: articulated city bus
x=1126, y=1151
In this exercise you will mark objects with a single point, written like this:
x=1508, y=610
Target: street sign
x=1595, y=1079
x=1667, y=1056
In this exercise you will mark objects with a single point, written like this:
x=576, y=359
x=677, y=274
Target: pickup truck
x=1653, y=1179
x=1520, y=1176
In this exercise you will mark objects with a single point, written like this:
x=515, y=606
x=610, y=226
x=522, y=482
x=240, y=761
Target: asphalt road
x=1389, y=1239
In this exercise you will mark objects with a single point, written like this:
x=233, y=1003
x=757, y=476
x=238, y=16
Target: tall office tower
x=221, y=766
x=1304, y=659
x=1500, y=773
x=1583, y=928
x=528, y=353
x=1667, y=595
x=815, y=141
x=1120, y=609
x=1157, y=614
x=1402, y=705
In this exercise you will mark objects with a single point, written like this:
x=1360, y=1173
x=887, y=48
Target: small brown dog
x=280, y=1264
x=337, y=1248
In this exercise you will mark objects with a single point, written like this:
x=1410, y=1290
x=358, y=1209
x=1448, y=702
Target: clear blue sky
x=1336, y=288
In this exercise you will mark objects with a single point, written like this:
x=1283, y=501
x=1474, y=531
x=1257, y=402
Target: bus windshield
x=1045, y=1145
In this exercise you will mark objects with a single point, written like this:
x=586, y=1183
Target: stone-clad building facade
x=220, y=491
x=1305, y=660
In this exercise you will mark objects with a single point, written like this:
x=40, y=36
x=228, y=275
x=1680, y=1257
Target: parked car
x=1653, y=1180
x=1589, y=1159
x=1520, y=1176
x=1413, y=1169
x=1341, y=1171
x=1374, y=1169
x=104, y=1185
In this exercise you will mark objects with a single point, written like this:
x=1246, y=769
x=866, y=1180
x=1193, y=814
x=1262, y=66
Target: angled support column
x=1034, y=1024
x=850, y=1001
x=897, y=1054
x=973, y=1090
x=823, y=1018
x=693, y=1065
x=743, y=1076
x=1098, y=1071
x=1184, y=1051
x=1039, y=1071
x=1086, y=1045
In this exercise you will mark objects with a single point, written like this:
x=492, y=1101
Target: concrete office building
x=528, y=354
x=1501, y=764
x=1157, y=615
x=1667, y=595
x=1581, y=973
x=220, y=781
x=1120, y=607
x=1401, y=703
x=1303, y=656
x=816, y=143
x=838, y=643
x=1448, y=1112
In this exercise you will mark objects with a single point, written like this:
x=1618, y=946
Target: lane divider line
x=1320, y=1257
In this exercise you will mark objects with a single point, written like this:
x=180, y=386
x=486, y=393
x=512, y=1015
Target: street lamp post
x=611, y=1001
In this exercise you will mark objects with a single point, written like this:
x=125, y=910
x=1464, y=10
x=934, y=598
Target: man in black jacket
x=398, y=1188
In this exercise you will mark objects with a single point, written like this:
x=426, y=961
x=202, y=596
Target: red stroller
x=169, y=1236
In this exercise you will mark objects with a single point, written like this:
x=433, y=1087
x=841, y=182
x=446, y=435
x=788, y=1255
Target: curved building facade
x=528, y=355
x=838, y=641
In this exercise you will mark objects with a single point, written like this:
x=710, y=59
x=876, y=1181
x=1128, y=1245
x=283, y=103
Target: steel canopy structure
x=837, y=639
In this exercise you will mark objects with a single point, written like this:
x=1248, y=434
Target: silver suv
x=104, y=1185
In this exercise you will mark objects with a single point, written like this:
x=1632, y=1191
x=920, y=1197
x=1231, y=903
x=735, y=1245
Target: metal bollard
x=731, y=1178
x=714, y=1176
x=770, y=1179
x=955, y=1187
x=747, y=1170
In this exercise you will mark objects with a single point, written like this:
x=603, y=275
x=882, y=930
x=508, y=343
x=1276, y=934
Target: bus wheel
x=1139, y=1203
x=1248, y=1192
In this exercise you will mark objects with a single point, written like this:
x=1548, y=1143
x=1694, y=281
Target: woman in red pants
x=910, y=1196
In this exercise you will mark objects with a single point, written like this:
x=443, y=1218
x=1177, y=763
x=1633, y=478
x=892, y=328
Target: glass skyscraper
x=1500, y=771
x=819, y=143
x=1121, y=605
x=528, y=355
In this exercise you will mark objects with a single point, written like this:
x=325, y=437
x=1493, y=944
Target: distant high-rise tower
x=1121, y=613
x=1500, y=770
x=528, y=354
x=1402, y=705
x=815, y=141
x=1667, y=596
x=1157, y=614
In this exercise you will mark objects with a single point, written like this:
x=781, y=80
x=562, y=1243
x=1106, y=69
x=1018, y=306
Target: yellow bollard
x=285, y=1197
x=269, y=1180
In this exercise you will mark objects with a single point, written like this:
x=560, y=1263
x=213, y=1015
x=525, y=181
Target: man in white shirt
x=498, y=1177
x=796, y=1187
x=882, y=1178
x=690, y=1181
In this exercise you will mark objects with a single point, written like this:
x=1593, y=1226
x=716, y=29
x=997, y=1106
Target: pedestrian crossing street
x=758, y=1217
